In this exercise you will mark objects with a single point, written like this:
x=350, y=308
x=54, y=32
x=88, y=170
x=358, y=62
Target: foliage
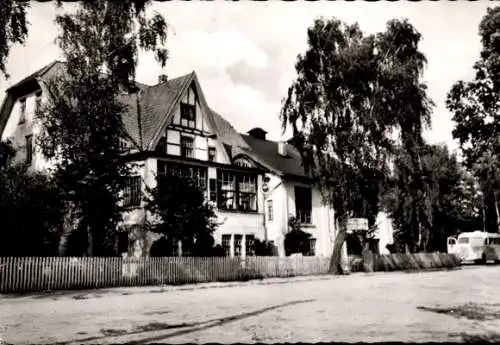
x=264, y=248
x=30, y=206
x=82, y=127
x=449, y=200
x=296, y=240
x=183, y=214
x=351, y=93
x=476, y=111
x=13, y=28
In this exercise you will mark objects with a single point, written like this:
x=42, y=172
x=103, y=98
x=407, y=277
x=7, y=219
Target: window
x=236, y=191
x=237, y=244
x=303, y=204
x=492, y=241
x=270, y=214
x=188, y=115
x=38, y=102
x=211, y=154
x=226, y=191
x=213, y=189
x=226, y=244
x=199, y=174
x=29, y=149
x=249, y=245
x=22, y=110
x=132, y=191
x=312, y=247
x=463, y=240
x=187, y=144
x=122, y=144
x=247, y=193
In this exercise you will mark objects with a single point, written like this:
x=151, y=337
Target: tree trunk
x=335, y=264
x=496, y=211
x=67, y=228
x=179, y=248
x=90, y=248
x=368, y=259
x=63, y=243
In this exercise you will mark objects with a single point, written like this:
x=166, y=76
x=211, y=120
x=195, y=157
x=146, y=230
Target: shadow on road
x=189, y=327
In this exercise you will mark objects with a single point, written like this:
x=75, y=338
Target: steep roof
x=266, y=153
x=151, y=107
x=227, y=133
x=148, y=109
x=37, y=74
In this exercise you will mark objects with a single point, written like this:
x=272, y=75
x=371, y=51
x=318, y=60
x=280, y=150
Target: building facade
x=255, y=184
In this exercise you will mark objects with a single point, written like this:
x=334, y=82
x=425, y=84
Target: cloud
x=244, y=52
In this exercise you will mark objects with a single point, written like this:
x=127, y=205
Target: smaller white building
x=289, y=193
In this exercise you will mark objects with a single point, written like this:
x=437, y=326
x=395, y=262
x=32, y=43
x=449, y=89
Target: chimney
x=282, y=148
x=162, y=78
x=258, y=133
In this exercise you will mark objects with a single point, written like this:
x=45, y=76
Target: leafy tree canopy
x=82, y=127
x=30, y=205
x=183, y=214
x=476, y=111
x=448, y=202
x=352, y=91
x=13, y=28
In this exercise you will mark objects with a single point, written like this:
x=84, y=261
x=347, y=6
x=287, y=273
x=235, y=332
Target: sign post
x=357, y=224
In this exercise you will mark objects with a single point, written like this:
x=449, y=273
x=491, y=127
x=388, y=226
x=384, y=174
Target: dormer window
x=211, y=154
x=38, y=102
x=188, y=115
x=22, y=110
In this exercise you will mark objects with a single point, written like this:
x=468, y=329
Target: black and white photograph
x=249, y=171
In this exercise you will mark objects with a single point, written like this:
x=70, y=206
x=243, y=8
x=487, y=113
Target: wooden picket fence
x=23, y=274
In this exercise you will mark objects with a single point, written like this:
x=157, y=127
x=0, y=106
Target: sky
x=244, y=52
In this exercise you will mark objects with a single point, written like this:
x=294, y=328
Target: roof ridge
x=170, y=80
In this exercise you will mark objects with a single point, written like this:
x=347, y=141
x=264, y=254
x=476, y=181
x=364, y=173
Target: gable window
x=22, y=110
x=303, y=204
x=187, y=147
x=270, y=214
x=236, y=191
x=29, y=149
x=211, y=154
x=132, y=191
x=188, y=115
x=38, y=102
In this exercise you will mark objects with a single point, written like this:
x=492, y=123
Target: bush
x=265, y=248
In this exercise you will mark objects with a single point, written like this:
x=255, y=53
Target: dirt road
x=459, y=305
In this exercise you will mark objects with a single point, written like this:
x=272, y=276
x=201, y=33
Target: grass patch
x=113, y=332
x=468, y=311
x=481, y=338
x=158, y=326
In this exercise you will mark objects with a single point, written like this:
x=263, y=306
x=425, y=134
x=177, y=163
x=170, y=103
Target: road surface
x=460, y=305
